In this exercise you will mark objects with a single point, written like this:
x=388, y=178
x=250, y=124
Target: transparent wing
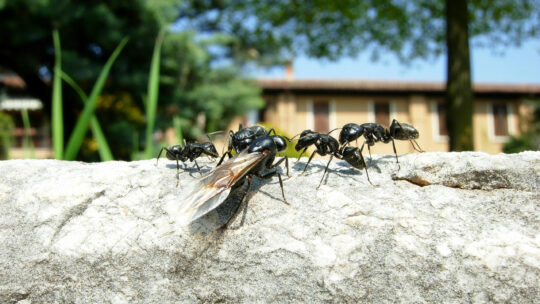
x=213, y=188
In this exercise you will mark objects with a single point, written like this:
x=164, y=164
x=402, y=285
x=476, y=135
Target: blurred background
x=101, y=80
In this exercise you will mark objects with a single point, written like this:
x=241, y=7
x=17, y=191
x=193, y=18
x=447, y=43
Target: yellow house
x=323, y=105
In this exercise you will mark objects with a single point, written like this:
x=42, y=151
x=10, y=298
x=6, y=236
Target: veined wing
x=213, y=188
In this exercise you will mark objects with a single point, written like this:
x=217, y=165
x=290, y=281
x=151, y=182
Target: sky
x=519, y=65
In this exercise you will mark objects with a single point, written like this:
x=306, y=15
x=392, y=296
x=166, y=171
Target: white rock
x=445, y=228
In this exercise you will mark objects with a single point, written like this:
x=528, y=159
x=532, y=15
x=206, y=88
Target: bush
x=529, y=140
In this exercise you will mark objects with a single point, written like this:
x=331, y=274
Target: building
x=323, y=105
x=15, y=101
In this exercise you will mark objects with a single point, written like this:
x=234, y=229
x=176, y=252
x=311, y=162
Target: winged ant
x=213, y=188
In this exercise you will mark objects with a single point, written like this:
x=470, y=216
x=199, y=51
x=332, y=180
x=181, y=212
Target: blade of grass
x=152, y=99
x=77, y=136
x=57, y=115
x=178, y=130
x=28, y=144
x=103, y=146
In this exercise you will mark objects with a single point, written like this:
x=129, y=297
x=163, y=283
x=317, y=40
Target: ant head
x=306, y=132
x=350, y=132
x=403, y=131
x=281, y=142
x=210, y=149
x=307, y=138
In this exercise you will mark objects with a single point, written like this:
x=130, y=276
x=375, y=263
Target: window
x=441, y=115
x=382, y=113
x=320, y=115
x=500, y=119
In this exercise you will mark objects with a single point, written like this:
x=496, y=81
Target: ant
x=325, y=145
x=190, y=151
x=374, y=133
x=218, y=183
x=243, y=138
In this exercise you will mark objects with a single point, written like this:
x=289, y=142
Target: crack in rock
x=74, y=212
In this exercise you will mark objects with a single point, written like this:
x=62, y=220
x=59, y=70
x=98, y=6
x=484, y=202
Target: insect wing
x=213, y=188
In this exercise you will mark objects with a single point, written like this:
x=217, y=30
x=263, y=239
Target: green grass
x=28, y=144
x=81, y=126
x=178, y=130
x=57, y=116
x=152, y=97
x=103, y=146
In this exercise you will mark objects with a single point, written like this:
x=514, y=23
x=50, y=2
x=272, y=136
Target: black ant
x=243, y=138
x=374, y=133
x=258, y=156
x=326, y=144
x=190, y=151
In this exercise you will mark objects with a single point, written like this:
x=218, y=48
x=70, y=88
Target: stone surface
x=445, y=228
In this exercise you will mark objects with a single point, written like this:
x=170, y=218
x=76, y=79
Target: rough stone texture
x=446, y=228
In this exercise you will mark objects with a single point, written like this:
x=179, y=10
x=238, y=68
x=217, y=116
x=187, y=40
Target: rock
x=445, y=228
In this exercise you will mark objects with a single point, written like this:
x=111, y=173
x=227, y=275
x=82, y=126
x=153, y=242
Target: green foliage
x=6, y=130
x=330, y=29
x=57, y=115
x=192, y=67
x=211, y=42
x=529, y=140
x=152, y=97
x=519, y=144
x=78, y=134
x=204, y=97
x=103, y=146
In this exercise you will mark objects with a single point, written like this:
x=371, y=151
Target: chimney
x=289, y=70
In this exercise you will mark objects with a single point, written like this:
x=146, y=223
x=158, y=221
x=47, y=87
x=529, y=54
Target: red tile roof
x=12, y=81
x=391, y=86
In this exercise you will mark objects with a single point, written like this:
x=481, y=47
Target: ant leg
x=159, y=154
x=284, y=158
x=234, y=214
x=369, y=150
x=281, y=185
x=177, y=171
x=362, y=148
x=300, y=156
x=223, y=157
x=365, y=168
x=198, y=168
x=325, y=169
x=312, y=154
x=270, y=131
x=395, y=153
x=417, y=145
x=269, y=175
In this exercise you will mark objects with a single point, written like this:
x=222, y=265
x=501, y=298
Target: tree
x=415, y=29
x=459, y=92
x=192, y=84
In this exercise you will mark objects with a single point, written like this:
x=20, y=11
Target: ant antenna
x=290, y=140
x=333, y=130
